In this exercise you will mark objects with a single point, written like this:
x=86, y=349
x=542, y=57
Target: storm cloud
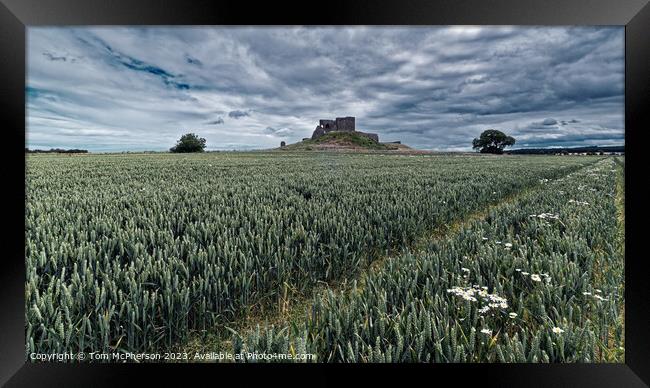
x=112, y=89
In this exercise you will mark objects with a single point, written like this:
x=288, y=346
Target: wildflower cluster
x=546, y=216
x=479, y=294
x=596, y=295
x=536, y=277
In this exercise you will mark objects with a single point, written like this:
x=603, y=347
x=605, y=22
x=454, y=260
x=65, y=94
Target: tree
x=189, y=142
x=492, y=142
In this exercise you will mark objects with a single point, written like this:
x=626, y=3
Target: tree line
x=57, y=151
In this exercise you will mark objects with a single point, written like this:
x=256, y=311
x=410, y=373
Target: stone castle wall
x=329, y=125
x=372, y=136
x=345, y=124
x=342, y=124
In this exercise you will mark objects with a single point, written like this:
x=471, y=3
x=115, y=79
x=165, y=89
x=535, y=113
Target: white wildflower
x=508, y=245
x=544, y=216
x=486, y=331
x=557, y=330
x=476, y=293
x=512, y=315
x=535, y=277
x=465, y=293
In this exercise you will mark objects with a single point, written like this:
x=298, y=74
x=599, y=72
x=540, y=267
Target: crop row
x=540, y=279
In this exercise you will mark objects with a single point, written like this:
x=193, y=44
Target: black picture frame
x=17, y=15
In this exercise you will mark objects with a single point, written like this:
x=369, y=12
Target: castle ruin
x=340, y=124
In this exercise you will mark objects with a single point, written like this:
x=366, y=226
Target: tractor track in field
x=294, y=306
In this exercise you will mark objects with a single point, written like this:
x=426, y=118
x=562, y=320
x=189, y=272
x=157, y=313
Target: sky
x=109, y=89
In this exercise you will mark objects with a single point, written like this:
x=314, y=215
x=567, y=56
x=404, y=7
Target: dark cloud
x=135, y=64
x=431, y=87
x=236, y=114
x=545, y=125
x=193, y=61
x=53, y=57
x=572, y=121
x=216, y=122
x=574, y=140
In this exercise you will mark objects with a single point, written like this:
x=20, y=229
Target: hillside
x=342, y=141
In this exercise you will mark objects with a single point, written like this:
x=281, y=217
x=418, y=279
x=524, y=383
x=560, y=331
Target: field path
x=295, y=307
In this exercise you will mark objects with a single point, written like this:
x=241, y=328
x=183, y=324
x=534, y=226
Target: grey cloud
x=216, y=122
x=53, y=57
x=572, y=121
x=571, y=140
x=135, y=64
x=279, y=131
x=544, y=125
x=236, y=114
x=193, y=61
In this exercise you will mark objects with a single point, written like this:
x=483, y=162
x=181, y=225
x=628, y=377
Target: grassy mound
x=339, y=140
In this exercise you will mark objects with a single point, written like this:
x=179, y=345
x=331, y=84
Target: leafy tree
x=492, y=142
x=189, y=142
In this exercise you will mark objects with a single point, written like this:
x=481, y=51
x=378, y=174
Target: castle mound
x=341, y=134
x=353, y=139
x=342, y=140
